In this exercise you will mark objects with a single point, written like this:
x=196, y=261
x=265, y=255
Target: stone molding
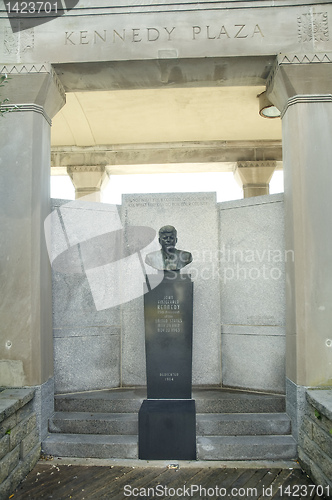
x=314, y=58
x=88, y=190
x=80, y=169
x=311, y=98
x=256, y=164
x=179, y=6
x=27, y=108
x=11, y=69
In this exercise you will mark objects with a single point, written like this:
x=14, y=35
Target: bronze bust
x=168, y=258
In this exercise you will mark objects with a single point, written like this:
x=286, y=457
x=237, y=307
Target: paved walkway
x=117, y=480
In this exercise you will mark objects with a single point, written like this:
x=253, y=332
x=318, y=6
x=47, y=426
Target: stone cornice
x=104, y=7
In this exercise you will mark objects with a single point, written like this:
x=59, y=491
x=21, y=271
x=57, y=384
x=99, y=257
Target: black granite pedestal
x=167, y=430
x=167, y=419
x=168, y=315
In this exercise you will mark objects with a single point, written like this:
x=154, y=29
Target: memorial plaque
x=168, y=313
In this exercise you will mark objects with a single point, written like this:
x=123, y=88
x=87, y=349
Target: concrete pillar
x=254, y=176
x=89, y=181
x=300, y=86
x=26, y=349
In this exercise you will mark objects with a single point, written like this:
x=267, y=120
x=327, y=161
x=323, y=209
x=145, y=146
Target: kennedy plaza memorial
x=100, y=355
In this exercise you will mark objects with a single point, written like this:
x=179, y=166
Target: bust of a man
x=168, y=258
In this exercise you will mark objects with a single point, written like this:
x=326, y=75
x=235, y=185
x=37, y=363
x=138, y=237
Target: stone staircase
x=231, y=425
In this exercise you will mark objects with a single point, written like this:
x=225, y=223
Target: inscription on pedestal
x=168, y=336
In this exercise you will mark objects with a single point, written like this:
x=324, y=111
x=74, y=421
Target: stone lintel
x=164, y=72
x=115, y=156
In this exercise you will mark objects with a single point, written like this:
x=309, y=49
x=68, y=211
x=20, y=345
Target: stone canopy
x=172, y=83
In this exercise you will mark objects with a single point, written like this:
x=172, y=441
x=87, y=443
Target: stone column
x=300, y=86
x=89, y=181
x=301, y=89
x=26, y=353
x=254, y=176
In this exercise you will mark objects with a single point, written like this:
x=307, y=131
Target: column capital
x=88, y=181
x=34, y=87
x=300, y=77
x=254, y=176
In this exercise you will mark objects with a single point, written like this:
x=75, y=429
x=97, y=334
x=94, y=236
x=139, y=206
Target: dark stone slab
x=167, y=430
x=168, y=313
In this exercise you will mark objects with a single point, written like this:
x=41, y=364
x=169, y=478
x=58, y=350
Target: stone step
x=208, y=448
x=242, y=424
x=207, y=424
x=90, y=446
x=246, y=448
x=108, y=401
x=207, y=401
x=231, y=425
x=94, y=423
x=228, y=401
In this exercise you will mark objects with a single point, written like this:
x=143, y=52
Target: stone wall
x=86, y=337
x=195, y=217
x=252, y=271
x=238, y=275
x=19, y=438
x=315, y=438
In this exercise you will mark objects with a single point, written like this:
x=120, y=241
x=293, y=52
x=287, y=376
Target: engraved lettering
x=223, y=31
x=196, y=31
x=208, y=34
x=83, y=37
x=136, y=34
x=68, y=39
x=96, y=34
x=257, y=31
x=123, y=37
x=169, y=32
x=241, y=28
x=153, y=34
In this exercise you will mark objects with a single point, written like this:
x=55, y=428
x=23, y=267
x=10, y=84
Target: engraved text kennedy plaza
x=152, y=34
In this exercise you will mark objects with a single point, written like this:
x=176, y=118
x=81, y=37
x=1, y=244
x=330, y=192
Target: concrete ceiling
x=163, y=115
